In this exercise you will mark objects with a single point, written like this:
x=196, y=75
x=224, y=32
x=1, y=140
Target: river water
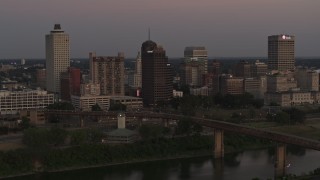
x=245, y=165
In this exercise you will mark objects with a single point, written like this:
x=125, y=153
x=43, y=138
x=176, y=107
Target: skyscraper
x=156, y=79
x=57, y=57
x=109, y=73
x=138, y=72
x=281, y=52
x=195, y=65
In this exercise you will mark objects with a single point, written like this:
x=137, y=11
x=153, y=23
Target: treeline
x=287, y=116
x=188, y=104
x=54, y=155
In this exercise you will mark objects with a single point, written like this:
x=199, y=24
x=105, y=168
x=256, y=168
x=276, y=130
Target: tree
x=25, y=122
x=96, y=107
x=117, y=107
x=282, y=118
x=151, y=131
x=56, y=136
x=61, y=106
x=296, y=115
x=184, y=126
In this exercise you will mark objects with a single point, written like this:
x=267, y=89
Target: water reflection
x=244, y=165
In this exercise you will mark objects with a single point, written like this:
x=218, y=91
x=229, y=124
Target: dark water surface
x=245, y=165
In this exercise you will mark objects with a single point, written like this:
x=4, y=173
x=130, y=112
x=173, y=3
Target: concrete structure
x=11, y=102
x=280, y=83
x=195, y=65
x=137, y=77
x=259, y=69
x=90, y=89
x=156, y=74
x=85, y=103
x=121, y=135
x=307, y=79
x=231, y=85
x=57, y=57
x=132, y=103
x=201, y=91
x=256, y=86
x=281, y=52
x=36, y=116
x=177, y=93
x=109, y=73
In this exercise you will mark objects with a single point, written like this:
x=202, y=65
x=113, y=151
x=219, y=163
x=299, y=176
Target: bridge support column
x=81, y=121
x=165, y=122
x=280, y=162
x=218, y=165
x=218, y=143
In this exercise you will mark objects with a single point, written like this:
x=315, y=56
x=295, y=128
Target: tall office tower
x=109, y=73
x=41, y=78
x=281, y=52
x=195, y=65
x=138, y=72
x=156, y=79
x=57, y=57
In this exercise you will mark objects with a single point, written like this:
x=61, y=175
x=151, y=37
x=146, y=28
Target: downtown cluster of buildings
x=277, y=82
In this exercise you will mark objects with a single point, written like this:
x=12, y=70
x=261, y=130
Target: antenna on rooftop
x=149, y=34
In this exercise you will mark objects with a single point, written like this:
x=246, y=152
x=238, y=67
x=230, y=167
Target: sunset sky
x=227, y=28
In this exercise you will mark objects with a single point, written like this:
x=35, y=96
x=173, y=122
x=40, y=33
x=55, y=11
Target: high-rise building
x=156, y=79
x=41, y=78
x=281, y=52
x=57, y=57
x=195, y=65
x=259, y=69
x=138, y=72
x=109, y=73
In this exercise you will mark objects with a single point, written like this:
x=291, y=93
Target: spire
x=149, y=34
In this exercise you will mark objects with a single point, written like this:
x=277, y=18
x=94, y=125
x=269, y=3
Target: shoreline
x=195, y=155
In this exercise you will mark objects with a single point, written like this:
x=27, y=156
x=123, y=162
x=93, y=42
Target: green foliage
x=85, y=136
x=42, y=138
x=96, y=107
x=4, y=130
x=188, y=127
x=25, y=123
x=282, y=118
x=151, y=131
x=117, y=107
x=61, y=106
x=296, y=115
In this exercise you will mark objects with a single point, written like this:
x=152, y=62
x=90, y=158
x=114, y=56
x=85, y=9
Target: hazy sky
x=227, y=28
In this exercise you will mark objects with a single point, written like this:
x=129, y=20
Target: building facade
x=70, y=83
x=156, y=80
x=195, y=65
x=11, y=102
x=109, y=73
x=57, y=57
x=281, y=54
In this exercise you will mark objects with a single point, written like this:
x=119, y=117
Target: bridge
x=219, y=128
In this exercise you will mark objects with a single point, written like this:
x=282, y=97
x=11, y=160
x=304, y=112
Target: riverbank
x=98, y=155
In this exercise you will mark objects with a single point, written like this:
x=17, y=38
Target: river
x=245, y=165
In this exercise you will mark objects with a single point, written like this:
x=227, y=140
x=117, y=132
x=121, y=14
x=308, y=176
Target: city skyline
x=226, y=29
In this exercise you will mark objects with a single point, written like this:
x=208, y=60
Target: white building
x=57, y=57
x=11, y=102
x=85, y=103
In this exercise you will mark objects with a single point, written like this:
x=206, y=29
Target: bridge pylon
x=280, y=161
x=218, y=143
